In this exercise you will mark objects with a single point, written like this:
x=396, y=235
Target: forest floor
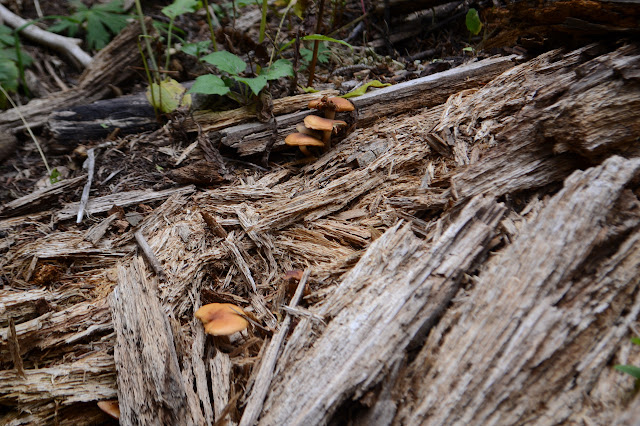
x=449, y=187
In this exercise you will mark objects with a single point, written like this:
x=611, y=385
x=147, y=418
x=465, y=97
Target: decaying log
x=133, y=114
x=251, y=138
x=151, y=390
x=547, y=313
x=474, y=310
x=399, y=286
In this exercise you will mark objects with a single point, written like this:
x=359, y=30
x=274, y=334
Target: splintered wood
x=470, y=261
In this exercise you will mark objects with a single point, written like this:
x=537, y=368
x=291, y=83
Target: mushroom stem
x=326, y=135
x=305, y=151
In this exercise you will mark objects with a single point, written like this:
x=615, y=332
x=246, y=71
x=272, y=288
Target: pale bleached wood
x=151, y=390
x=268, y=360
x=318, y=203
x=399, y=285
x=56, y=329
x=220, y=368
x=547, y=313
x=123, y=199
x=89, y=378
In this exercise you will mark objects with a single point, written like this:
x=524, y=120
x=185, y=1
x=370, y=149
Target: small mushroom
x=112, y=408
x=301, y=128
x=330, y=106
x=222, y=319
x=325, y=124
x=302, y=141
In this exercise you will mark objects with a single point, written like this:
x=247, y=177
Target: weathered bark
x=151, y=390
x=399, y=286
x=547, y=312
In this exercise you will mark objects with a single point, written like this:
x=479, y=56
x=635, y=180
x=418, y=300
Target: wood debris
x=454, y=255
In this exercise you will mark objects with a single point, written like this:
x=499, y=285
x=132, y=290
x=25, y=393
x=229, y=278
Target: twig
x=316, y=44
x=91, y=165
x=68, y=46
x=265, y=373
x=149, y=255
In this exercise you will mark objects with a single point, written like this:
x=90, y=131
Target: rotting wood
x=398, y=286
x=574, y=301
x=147, y=395
x=90, y=378
x=122, y=199
x=54, y=329
x=251, y=138
x=39, y=197
x=263, y=378
x=133, y=113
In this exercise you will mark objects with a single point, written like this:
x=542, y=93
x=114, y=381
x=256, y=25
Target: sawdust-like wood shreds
x=442, y=188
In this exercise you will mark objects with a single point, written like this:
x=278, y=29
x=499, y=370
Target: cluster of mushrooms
x=316, y=131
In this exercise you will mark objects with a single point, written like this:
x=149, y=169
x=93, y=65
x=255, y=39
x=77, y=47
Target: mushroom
x=222, y=319
x=330, y=106
x=112, y=408
x=302, y=141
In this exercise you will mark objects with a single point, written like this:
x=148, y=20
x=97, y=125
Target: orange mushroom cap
x=112, y=408
x=300, y=139
x=337, y=104
x=222, y=319
x=318, y=123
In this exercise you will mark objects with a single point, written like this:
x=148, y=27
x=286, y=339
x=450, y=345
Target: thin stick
x=316, y=45
x=149, y=255
x=265, y=373
x=84, y=200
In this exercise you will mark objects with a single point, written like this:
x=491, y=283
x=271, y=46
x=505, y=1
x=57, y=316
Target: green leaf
x=8, y=74
x=6, y=35
x=467, y=49
x=309, y=90
x=55, y=176
x=474, y=25
x=226, y=61
x=635, y=340
x=209, y=85
x=102, y=22
x=256, y=83
x=168, y=95
x=363, y=89
x=280, y=68
x=97, y=35
x=629, y=369
x=180, y=7
x=197, y=48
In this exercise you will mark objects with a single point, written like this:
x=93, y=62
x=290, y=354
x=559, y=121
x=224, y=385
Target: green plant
x=232, y=67
x=473, y=22
x=632, y=370
x=13, y=60
x=323, y=54
x=101, y=22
